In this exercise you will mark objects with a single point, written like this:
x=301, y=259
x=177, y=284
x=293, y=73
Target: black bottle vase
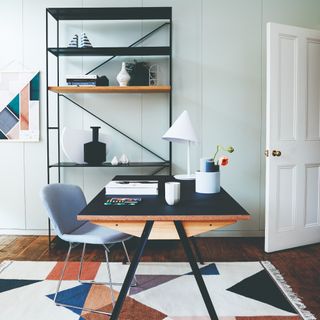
x=95, y=151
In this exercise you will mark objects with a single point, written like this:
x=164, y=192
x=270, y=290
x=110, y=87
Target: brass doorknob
x=276, y=153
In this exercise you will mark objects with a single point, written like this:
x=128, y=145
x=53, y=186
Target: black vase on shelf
x=95, y=151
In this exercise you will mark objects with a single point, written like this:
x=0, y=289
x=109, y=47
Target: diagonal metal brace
x=131, y=45
x=112, y=127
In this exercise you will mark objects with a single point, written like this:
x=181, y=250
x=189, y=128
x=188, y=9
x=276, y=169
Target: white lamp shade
x=182, y=130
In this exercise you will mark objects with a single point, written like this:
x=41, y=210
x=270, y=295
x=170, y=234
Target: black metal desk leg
x=195, y=269
x=196, y=250
x=132, y=270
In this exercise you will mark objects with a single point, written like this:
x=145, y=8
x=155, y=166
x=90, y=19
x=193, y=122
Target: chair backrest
x=63, y=202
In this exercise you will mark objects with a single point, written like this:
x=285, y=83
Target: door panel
x=313, y=95
x=293, y=117
x=287, y=92
x=286, y=201
x=312, y=195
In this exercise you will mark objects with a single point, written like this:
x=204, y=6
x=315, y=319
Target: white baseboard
x=233, y=233
x=25, y=232
x=217, y=233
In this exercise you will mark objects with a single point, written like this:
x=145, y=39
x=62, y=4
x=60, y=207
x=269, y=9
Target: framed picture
x=19, y=106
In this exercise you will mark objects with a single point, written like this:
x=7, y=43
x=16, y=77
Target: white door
x=293, y=137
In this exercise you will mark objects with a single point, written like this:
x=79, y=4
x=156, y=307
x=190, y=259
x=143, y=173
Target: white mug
x=172, y=192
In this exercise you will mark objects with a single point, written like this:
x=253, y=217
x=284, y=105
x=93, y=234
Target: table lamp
x=182, y=131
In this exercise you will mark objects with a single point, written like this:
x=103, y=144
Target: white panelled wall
x=218, y=76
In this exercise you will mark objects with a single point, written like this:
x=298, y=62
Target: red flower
x=223, y=161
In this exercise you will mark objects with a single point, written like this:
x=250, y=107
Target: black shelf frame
x=163, y=164
x=164, y=15
x=116, y=13
x=112, y=51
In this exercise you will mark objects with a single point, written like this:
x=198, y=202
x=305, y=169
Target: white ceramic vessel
x=172, y=192
x=123, y=76
x=207, y=182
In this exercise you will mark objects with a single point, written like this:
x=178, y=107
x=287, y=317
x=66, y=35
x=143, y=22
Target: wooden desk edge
x=164, y=227
x=110, y=218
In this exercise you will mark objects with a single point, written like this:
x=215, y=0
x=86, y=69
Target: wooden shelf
x=115, y=89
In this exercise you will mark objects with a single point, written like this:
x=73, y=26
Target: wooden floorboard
x=6, y=240
x=300, y=267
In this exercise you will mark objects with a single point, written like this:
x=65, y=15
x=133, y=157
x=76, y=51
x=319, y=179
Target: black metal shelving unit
x=163, y=14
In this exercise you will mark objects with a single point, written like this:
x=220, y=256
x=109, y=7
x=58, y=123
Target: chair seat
x=92, y=234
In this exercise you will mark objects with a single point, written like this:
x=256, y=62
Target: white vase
x=123, y=76
x=207, y=182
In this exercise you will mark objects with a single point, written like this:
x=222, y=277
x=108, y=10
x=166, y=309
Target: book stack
x=82, y=80
x=129, y=187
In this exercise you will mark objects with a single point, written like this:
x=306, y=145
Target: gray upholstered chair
x=63, y=202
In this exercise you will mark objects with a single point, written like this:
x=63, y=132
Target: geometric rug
x=165, y=291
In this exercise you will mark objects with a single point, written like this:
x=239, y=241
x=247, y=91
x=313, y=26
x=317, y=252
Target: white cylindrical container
x=123, y=76
x=172, y=192
x=207, y=182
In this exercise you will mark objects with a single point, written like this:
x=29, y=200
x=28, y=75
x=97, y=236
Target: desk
x=154, y=219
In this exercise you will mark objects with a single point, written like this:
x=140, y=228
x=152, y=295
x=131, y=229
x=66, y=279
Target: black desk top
x=192, y=206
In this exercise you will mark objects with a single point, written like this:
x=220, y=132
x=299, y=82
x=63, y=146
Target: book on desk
x=132, y=187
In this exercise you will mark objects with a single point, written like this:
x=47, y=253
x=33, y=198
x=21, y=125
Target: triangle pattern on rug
x=132, y=309
x=75, y=296
x=98, y=297
x=167, y=292
x=146, y=282
x=209, y=270
x=10, y=284
x=260, y=287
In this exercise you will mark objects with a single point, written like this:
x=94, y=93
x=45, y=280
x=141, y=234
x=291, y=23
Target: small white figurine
x=124, y=159
x=114, y=161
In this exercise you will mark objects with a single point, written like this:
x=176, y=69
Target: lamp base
x=185, y=176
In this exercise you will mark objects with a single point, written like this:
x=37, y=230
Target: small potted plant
x=213, y=164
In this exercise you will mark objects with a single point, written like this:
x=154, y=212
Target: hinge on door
x=266, y=153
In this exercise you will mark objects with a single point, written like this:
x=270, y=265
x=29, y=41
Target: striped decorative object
x=74, y=42
x=84, y=41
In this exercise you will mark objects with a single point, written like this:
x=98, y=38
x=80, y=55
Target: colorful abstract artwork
x=19, y=106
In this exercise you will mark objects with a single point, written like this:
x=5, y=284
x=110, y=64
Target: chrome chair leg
x=81, y=262
x=84, y=309
x=71, y=246
x=126, y=251
x=63, y=271
x=110, y=283
x=135, y=281
x=93, y=281
x=109, y=274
